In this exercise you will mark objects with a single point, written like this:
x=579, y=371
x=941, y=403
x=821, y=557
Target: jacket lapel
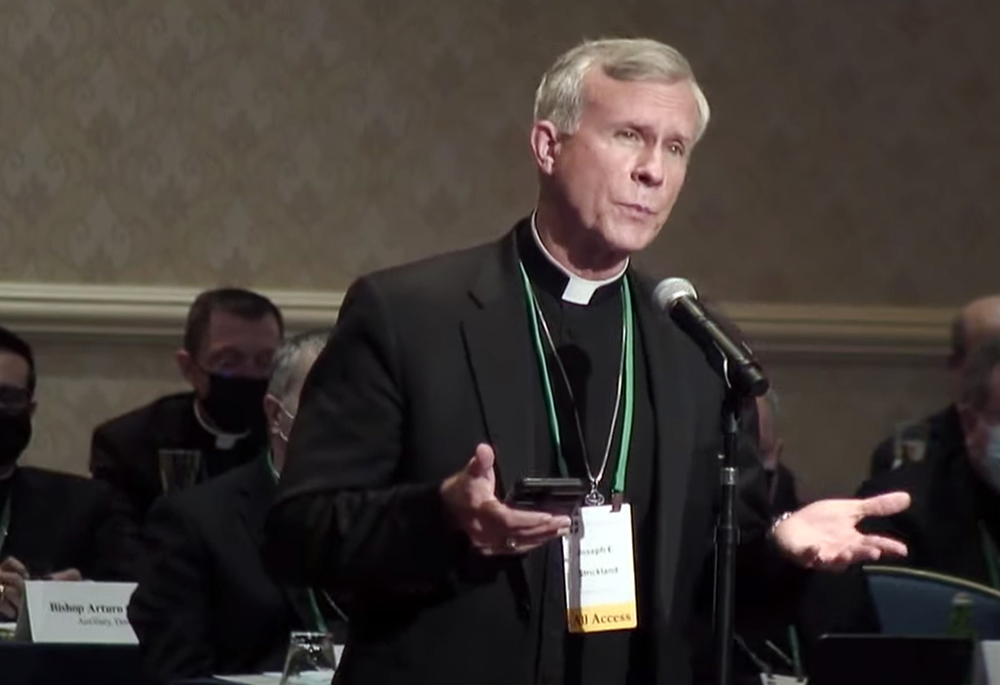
x=256, y=493
x=497, y=338
x=674, y=440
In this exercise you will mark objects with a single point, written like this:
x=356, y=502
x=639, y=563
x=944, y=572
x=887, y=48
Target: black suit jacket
x=426, y=361
x=125, y=450
x=942, y=526
x=204, y=604
x=60, y=521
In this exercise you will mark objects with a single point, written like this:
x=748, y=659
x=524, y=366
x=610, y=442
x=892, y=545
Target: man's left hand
x=824, y=535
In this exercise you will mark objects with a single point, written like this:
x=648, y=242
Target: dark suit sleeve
x=785, y=497
x=341, y=517
x=114, y=538
x=169, y=609
x=106, y=464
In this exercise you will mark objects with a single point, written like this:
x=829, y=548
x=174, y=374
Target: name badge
x=599, y=569
x=81, y=612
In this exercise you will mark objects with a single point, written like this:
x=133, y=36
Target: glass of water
x=179, y=468
x=910, y=444
x=311, y=659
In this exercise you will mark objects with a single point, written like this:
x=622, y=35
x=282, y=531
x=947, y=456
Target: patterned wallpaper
x=298, y=143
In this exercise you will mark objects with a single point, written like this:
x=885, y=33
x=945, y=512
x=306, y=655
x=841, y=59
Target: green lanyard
x=626, y=377
x=5, y=519
x=991, y=554
x=794, y=661
x=313, y=604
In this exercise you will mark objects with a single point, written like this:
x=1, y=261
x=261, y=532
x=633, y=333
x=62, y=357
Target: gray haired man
x=205, y=605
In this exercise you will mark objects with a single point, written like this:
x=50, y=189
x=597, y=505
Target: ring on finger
x=511, y=545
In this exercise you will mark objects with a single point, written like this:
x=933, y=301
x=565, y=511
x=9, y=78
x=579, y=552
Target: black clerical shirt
x=588, y=341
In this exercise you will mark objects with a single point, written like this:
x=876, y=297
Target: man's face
x=977, y=424
x=16, y=408
x=234, y=346
x=620, y=172
x=14, y=395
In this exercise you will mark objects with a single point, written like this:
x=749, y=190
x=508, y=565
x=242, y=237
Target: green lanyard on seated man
x=321, y=624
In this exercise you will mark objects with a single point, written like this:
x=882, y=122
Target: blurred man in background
x=953, y=524
x=53, y=525
x=204, y=604
x=941, y=432
x=229, y=339
x=780, y=481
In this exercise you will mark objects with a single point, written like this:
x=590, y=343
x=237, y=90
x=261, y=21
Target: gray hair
x=286, y=369
x=559, y=97
x=974, y=382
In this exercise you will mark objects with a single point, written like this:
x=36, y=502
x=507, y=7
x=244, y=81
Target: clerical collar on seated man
x=549, y=274
x=223, y=440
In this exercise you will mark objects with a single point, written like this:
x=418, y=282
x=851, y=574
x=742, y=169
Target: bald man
x=978, y=321
x=953, y=524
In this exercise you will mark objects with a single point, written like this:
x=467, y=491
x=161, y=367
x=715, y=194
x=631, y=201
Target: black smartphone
x=552, y=495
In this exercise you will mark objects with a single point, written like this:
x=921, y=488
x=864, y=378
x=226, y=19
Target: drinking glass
x=311, y=659
x=910, y=442
x=179, y=469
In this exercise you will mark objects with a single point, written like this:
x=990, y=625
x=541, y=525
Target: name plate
x=986, y=664
x=76, y=612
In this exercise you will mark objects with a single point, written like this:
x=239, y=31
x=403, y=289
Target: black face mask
x=236, y=403
x=15, y=434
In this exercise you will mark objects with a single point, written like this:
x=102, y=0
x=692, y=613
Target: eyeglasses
x=14, y=399
x=231, y=363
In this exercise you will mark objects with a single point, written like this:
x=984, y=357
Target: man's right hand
x=12, y=577
x=492, y=526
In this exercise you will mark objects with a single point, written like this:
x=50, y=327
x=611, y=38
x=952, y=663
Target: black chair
x=916, y=602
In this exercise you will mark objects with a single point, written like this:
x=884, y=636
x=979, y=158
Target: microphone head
x=669, y=290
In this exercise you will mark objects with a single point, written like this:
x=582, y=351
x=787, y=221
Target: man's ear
x=191, y=372
x=185, y=364
x=272, y=408
x=545, y=145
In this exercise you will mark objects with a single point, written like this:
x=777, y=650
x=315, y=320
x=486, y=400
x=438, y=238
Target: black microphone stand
x=726, y=538
x=743, y=382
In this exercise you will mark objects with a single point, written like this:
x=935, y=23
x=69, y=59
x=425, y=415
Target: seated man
x=51, y=524
x=978, y=321
x=230, y=337
x=953, y=524
x=204, y=604
x=781, y=494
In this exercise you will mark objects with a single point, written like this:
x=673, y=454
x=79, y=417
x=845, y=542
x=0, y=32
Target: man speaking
x=542, y=354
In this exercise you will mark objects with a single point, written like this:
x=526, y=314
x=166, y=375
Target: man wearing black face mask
x=52, y=525
x=229, y=340
x=205, y=605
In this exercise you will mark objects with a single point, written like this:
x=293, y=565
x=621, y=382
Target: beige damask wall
x=291, y=145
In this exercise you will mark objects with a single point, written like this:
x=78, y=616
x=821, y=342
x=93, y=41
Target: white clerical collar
x=223, y=441
x=578, y=290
